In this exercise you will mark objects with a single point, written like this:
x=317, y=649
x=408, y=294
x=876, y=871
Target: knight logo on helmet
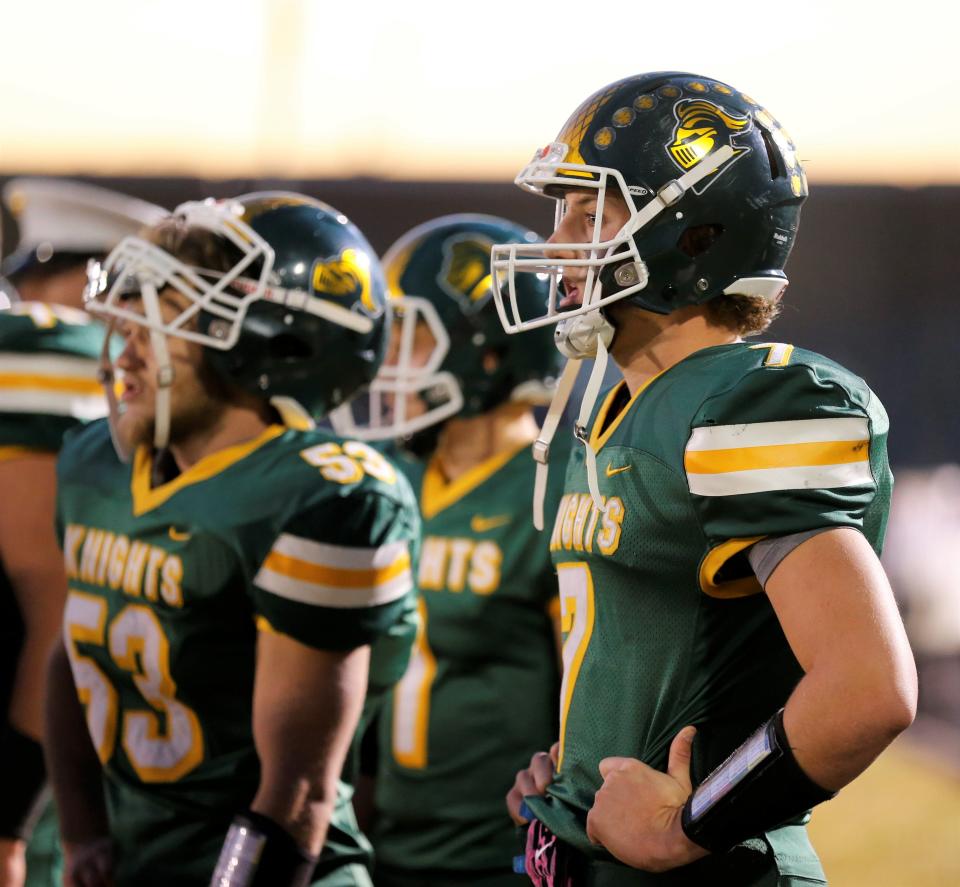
x=703, y=128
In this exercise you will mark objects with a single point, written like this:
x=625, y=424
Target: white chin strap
x=108, y=379
x=582, y=432
x=602, y=334
x=541, y=446
x=164, y=379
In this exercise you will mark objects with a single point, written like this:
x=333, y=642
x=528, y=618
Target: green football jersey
x=479, y=697
x=48, y=384
x=295, y=532
x=664, y=623
x=48, y=375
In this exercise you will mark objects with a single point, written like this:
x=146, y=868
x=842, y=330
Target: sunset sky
x=455, y=90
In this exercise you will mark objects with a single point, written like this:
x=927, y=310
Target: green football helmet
x=438, y=280
x=712, y=187
x=294, y=312
x=712, y=184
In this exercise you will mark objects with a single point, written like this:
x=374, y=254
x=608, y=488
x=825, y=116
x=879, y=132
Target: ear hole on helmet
x=774, y=157
x=287, y=347
x=491, y=360
x=695, y=241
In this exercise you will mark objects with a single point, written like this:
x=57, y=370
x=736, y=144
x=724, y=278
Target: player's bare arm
x=306, y=707
x=31, y=561
x=858, y=693
x=76, y=779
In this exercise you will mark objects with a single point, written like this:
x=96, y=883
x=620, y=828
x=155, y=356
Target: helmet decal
x=703, y=128
x=604, y=137
x=465, y=272
x=393, y=271
x=576, y=128
x=347, y=274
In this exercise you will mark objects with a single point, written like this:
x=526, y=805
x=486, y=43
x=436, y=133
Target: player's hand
x=636, y=813
x=89, y=864
x=532, y=781
x=13, y=862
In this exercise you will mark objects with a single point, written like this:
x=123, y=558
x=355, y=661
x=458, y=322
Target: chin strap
x=108, y=379
x=541, y=446
x=581, y=431
x=164, y=379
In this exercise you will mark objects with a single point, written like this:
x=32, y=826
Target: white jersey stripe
x=331, y=596
x=47, y=364
x=819, y=477
x=338, y=556
x=56, y=403
x=762, y=434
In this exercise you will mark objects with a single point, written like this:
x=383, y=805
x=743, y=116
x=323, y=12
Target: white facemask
x=383, y=410
x=582, y=331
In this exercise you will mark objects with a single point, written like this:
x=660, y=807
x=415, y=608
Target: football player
x=478, y=695
x=234, y=574
x=734, y=654
x=48, y=384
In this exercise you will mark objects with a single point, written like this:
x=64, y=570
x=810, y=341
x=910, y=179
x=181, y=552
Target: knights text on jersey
x=479, y=696
x=663, y=621
x=296, y=532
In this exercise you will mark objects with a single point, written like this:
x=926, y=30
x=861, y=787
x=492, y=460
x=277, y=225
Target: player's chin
x=134, y=428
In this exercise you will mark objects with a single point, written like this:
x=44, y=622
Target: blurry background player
x=49, y=349
x=228, y=575
x=749, y=489
x=479, y=694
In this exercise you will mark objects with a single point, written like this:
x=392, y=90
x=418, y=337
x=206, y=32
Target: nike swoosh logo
x=611, y=471
x=481, y=524
x=541, y=850
x=177, y=536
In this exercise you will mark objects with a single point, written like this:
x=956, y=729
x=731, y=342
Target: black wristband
x=22, y=777
x=759, y=787
x=258, y=852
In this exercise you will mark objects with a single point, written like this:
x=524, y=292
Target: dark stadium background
x=875, y=284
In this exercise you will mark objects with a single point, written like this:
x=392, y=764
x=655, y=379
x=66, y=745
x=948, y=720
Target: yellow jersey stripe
x=336, y=596
x=782, y=456
x=340, y=557
x=294, y=568
x=51, y=383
